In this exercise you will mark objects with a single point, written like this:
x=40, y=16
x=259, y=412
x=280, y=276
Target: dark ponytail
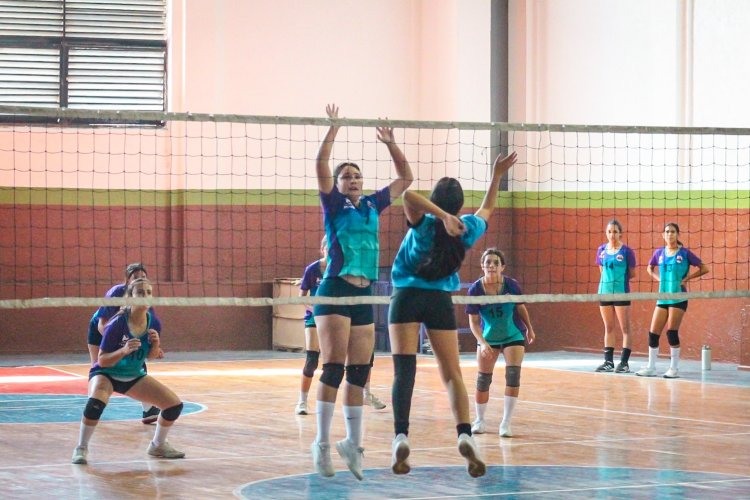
x=132, y=269
x=447, y=252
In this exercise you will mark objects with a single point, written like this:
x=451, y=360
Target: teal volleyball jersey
x=615, y=267
x=116, y=335
x=501, y=323
x=417, y=244
x=672, y=270
x=352, y=232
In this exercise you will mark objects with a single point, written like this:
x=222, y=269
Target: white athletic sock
x=324, y=412
x=146, y=406
x=674, y=360
x=303, y=397
x=653, y=353
x=508, y=407
x=160, y=435
x=85, y=433
x=481, y=408
x=353, y=420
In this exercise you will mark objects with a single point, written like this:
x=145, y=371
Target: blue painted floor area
x=506, y=482
x=61, y=408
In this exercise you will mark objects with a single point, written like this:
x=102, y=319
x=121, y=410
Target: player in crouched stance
x=499, y=328
x=130, y=337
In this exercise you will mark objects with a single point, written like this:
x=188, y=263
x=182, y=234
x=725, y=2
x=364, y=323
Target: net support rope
x=155, y=116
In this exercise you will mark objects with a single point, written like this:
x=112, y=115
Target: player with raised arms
x=347, y=332
x=424, y=274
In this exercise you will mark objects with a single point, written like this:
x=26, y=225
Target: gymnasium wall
x=570, y=62
x=208, y=266
x=189, y=251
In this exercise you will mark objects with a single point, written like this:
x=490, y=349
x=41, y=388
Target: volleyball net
x=217, y=207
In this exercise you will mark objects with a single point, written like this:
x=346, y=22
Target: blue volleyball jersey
x=615, y=267
x=501, y=323
x=116, y=335
x=417, y=244
x=311, y=279
x=352, y=233
x=672, y=270
x=106, y=312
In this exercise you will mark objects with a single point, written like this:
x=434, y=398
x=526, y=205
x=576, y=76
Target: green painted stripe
x=728, y=200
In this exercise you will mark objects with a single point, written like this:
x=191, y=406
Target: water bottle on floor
x=706, y=357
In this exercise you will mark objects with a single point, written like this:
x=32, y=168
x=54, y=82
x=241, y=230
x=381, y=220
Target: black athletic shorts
x=679, y=305
x=509, y=344
x=615, y=303
x=119, y=386
x=434, y=308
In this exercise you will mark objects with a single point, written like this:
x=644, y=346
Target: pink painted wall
x=572, y=62
x=404, y=59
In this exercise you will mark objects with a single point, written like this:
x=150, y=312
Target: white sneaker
x=79, y=455
x=371, y=399
x=646, y=372
x=468, y=449
x=400, y=454
x=321, y=453
x=671, y=373
x=301, y=408
x=505, y=430
x=164, y=450
x=352, y=455
x=478, y=427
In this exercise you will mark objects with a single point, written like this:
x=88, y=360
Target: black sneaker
x=622, y=368
x=150, y=416
x=607, y=366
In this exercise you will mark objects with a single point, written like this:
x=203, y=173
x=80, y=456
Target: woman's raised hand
x=504, y=163
x=332, y=111
x=385, y=135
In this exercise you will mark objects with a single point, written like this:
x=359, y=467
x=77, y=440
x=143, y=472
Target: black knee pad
x=311, y=363
x=513, y=376
x=94, y=409
x=357, y=374
x=673, y=337
x=653, y=340
x=171, y=413
x=484, y=380
x=333, y=374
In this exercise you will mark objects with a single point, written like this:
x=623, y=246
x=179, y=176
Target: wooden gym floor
x=577, y=433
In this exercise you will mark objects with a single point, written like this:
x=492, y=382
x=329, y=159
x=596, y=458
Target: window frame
x=64, y=44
